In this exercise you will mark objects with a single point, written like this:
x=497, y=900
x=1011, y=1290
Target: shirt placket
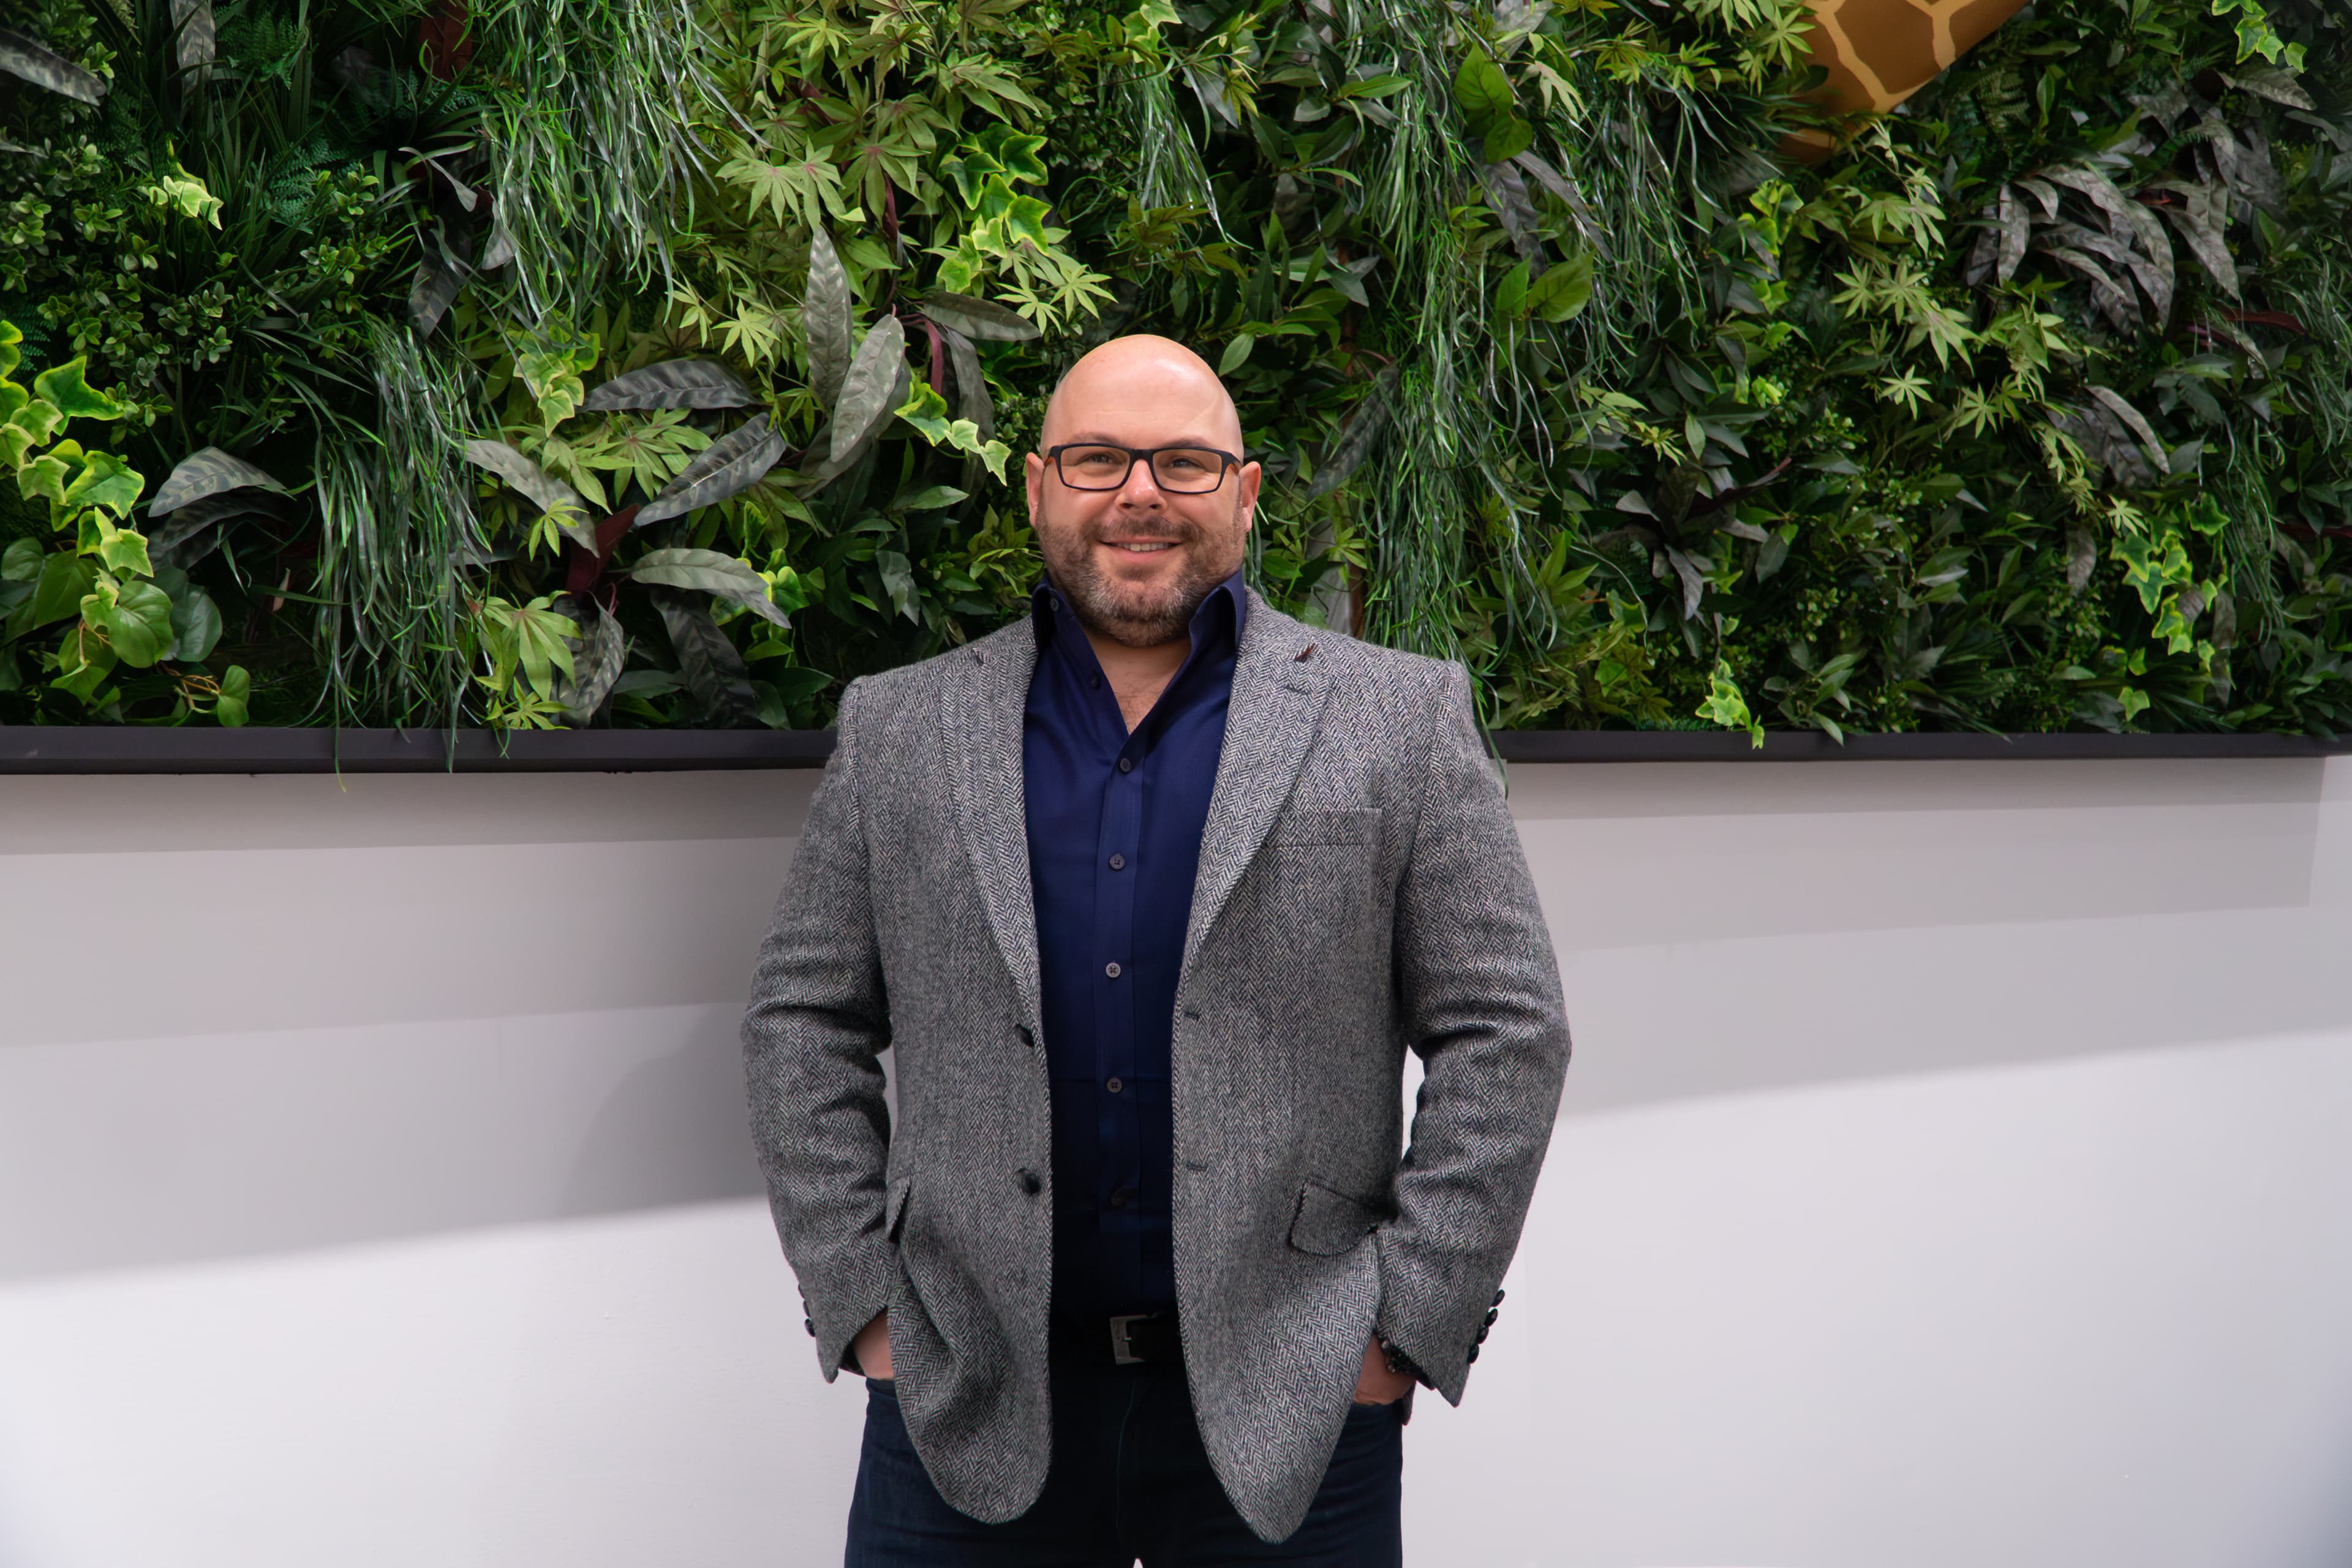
x=1118, y=1127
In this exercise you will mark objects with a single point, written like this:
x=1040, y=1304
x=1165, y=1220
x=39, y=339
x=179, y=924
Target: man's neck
x=1137, y=675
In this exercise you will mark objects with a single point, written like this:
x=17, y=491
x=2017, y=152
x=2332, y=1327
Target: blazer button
x=1481, y=1333
x=1030, y=1184
x=1498, y=1298
x=1473, y=1355
x=1027, y=1038
x=1492, y=1314
x=810, y=1324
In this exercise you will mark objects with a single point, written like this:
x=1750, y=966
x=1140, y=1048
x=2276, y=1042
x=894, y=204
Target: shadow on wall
x=130, y=1153
x=1727, y=929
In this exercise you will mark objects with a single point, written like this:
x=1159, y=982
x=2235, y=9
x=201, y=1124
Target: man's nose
x=1140, y=489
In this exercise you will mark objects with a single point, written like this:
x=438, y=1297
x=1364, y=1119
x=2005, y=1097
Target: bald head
x=1129, y=376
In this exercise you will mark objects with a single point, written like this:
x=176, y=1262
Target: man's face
x=1136, y=562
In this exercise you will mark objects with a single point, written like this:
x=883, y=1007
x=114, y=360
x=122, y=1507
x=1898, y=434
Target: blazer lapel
x=981, y=728
x=1269, y=727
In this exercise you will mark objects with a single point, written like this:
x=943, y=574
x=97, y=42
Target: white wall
x=1955, y=1170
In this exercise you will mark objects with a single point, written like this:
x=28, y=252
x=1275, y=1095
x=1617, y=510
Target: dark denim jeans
x=1129, y=1480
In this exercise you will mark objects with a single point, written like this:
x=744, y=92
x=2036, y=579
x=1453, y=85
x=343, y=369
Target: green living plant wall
x=663, y=362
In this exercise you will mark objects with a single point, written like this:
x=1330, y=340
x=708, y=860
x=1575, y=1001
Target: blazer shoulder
x=1391, y=671
x=890, y=695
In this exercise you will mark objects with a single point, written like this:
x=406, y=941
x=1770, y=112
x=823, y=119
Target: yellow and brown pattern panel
x=1880, y=52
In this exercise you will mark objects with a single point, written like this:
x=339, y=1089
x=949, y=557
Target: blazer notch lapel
x=1269, y=729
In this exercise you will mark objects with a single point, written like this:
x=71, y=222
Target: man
x=1149, y=892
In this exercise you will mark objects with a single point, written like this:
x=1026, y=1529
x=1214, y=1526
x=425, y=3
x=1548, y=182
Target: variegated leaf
x=673, y=383
x=819, y=469
x=2121, y=408
x=972, y=401
x=709, y=572
x=1355, y=443
x=727, y=468
x=824, y=318
x=595, y=667
x=2016, y=228
x=1565, y=188
x=544, y=489
x=208, y=473
x=984, y=319
x=866, y=392
x=21, y=58
x=714, y=672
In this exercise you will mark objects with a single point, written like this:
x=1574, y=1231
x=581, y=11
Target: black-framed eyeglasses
x=1178, y=471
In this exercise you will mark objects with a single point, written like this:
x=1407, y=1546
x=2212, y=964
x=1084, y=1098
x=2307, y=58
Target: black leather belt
x=1131, y=1339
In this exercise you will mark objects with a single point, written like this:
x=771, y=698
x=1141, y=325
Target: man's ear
x=1034, y=483
x=1249, y=479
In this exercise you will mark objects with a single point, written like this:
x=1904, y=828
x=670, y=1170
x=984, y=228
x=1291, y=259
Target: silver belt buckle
x=1121, y=1353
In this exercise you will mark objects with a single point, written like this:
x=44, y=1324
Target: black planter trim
x=35, y=749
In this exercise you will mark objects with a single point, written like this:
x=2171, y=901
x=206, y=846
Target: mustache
x=1181, y=532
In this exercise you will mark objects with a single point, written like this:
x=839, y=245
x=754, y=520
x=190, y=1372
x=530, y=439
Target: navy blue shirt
x=1114, y=823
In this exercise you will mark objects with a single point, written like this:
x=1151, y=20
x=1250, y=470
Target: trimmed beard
x=1161, y=619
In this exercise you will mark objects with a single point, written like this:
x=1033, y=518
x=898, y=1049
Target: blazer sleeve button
x=810, y=1324
x=1473, y=1355
x=1492, y=1314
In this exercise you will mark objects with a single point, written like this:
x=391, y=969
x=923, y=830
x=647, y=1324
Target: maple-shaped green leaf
x=124, y=550
x=802, y=189
x=106, y=480
x=64, y=389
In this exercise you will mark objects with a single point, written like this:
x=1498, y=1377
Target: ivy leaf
x=728, y=466
x=710, y=572
x=865, y=400
x=673, y=383
x=984, y=319
x=23, y=59
x=824, y=318
x=106, y=481
x=209, y=472
x=64, y=389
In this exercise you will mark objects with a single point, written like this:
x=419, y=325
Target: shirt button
x=1114, y=1086
x=1119, y=1197
x=1127, y=764
x=1119, y=862
x=1111, y=970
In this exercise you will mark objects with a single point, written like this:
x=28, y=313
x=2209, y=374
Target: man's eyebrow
x=1097, y=438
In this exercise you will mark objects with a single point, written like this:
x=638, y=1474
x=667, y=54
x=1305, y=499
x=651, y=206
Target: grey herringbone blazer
x=1361, y=891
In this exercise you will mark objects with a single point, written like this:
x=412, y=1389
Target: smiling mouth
x=1140, y=546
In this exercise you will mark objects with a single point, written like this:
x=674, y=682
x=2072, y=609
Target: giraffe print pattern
x=1880, y=52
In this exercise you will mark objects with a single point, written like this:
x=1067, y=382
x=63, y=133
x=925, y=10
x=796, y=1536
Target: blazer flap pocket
x=894, y=1213
x=1320, y=825
x=1329, y=1222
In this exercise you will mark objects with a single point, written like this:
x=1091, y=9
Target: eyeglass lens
x=1181, y=470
